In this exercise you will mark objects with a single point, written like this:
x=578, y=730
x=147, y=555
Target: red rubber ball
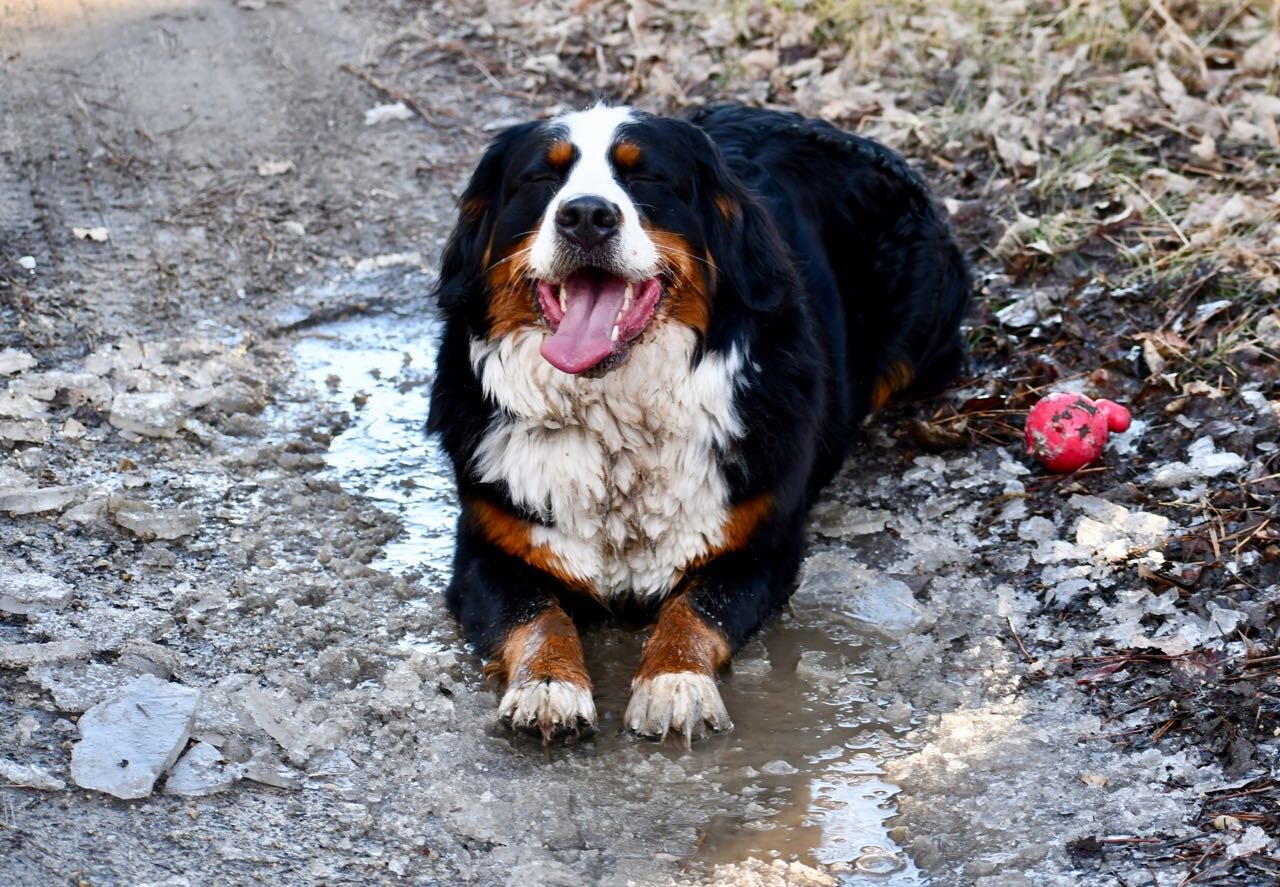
x=1066, y=432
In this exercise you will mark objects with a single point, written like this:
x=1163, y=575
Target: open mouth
x=594, y=315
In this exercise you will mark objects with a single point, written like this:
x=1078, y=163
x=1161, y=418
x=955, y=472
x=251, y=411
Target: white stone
x=389, y=112
x=34, y=500
x=202, y=771
x=78, y=686
x=30, y=431
x=1253, y=840
x=26, y=655
x=151, y=413
x=29, y=776
x=149, y=523
x=77, y=388
x=128, y=740
x=22, y=592
x=1204, y=462
x=14, y=361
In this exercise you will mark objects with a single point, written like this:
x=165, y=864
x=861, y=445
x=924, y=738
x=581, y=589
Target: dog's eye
x=542, y=177
x=644, y=177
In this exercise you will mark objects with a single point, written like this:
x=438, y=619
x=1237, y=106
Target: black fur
x=835, y=266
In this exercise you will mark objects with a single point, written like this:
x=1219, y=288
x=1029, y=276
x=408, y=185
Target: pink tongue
x=582, y=339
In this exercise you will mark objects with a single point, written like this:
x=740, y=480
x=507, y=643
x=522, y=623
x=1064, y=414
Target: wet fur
x=815, y=279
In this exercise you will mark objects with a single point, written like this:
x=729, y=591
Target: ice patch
x=1204, y=462
x=128, y=740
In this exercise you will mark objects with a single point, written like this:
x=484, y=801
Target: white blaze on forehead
x=593, y=133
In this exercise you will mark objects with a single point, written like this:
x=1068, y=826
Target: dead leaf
x=1206, y=150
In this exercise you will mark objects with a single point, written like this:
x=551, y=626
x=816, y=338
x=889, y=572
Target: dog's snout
x=588, y=221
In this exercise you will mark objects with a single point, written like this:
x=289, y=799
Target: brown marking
x=744, y=519
x=473, y=207
x=514, y=536
x=547, y=646
x=511, y=293
x=626, y=155
x=682, y=640
x=560, y=153
x=895, y=378
x=688, y=299
x=727, y=205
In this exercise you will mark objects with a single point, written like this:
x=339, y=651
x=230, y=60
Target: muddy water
x=804, y=757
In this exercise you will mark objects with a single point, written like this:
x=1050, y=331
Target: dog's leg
x=717, y=608
x=548, y=690
x=675, y=687
x=508, y=609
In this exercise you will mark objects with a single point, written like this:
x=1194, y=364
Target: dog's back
x=884, y=277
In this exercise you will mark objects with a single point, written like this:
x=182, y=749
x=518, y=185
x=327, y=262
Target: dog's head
x=601, y=225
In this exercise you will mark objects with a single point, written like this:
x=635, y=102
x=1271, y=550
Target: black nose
x=587, y=221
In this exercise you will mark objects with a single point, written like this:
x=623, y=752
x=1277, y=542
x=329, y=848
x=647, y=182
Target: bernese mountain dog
x=660, y=336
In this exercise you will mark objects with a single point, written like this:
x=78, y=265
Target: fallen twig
x=394, y=93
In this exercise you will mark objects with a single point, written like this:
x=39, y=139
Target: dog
x=660, y=338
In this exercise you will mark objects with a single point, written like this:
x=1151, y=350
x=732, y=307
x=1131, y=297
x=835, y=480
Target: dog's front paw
x=681, y=702
x=549, y=708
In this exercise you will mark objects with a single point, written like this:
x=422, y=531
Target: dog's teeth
x=626, y=299
x=564, y=300
x=613, y=336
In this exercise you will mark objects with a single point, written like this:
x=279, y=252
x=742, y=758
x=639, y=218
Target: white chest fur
x=623, y=466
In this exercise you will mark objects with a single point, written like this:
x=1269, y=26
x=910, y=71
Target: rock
x=1027, y=310
x=21, y=406
x=269, y=771
x=148, y=523
x=1204, y=462
x=22, y=592
x=1253, y=840
x=1267, y=330
x=1037, y=529
x=14, y=361
x=778, y=768
x=281, y=718
x=202, y=771
x=128, y=740
x=388, y=112
x=837, y=520
x=1116, y=532
x=822, y=667
x=78, y=686
x=29, y=776
x=30, y=431
x=77, y=389
x=151, y=414
x=103, y=626
x=27, y=655
x=868, y=599
x=35, y=500
x=92, y=511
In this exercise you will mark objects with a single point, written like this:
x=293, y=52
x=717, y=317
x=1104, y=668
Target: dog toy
x=1066, y=432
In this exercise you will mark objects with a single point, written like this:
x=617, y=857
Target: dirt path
x=250, y=347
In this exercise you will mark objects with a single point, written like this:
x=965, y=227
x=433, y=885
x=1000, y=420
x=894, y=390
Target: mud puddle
x=804, y=760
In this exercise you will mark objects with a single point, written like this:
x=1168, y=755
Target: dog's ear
x=461, y=271
x=753, y=264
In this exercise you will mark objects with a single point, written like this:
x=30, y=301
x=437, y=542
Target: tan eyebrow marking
x=626, y=155
x=560, y=153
